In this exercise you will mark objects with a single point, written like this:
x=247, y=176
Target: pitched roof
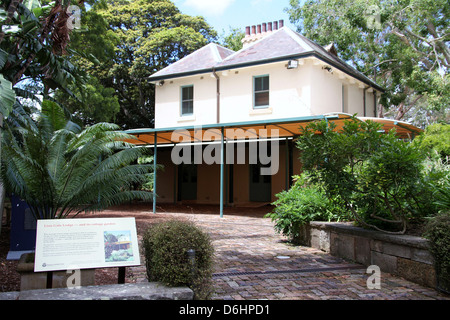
x=281, y=45
x=204, y=59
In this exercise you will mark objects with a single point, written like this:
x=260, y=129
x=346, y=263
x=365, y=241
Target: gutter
x=360, y=77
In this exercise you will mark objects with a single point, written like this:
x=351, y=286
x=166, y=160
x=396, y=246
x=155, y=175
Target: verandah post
x=222, y=160
x=286, y=146
x=155, y=153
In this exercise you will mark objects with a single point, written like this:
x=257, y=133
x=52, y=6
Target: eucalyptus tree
x=402, y=45
x=131, y=40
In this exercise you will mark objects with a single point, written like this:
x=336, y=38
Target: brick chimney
x=257, y=32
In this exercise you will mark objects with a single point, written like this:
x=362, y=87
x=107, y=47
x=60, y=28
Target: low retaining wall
x=129, y=291
x=402, y=255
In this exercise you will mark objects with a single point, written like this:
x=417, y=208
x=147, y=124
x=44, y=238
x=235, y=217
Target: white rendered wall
x=305, y=91
x=168, y=102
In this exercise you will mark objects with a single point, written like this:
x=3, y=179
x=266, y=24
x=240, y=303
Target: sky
x=223, y=14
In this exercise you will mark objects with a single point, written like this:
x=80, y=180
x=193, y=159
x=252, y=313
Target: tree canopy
x=402, y=45
x=33, y=42
x=233, y=40
x=130, y=41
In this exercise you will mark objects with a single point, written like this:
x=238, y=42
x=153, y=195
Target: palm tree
x=61, y=170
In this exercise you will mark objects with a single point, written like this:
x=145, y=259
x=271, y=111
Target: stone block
x=12, y=295
x=376, y=245
x=362, y=250
x=129, y=291
x=342, y=246
x=305, y=235
x=422, y=255
x=320, y=239
x=387, y=263
x=418, y=272
x=391, y=249
x=397, y=250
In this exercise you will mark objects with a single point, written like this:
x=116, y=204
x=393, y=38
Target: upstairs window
x=187, y=100
x=261, y=92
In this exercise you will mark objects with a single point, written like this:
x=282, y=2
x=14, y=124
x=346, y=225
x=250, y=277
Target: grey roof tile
x=282, y=44
x=278, y=44
x=203, y=59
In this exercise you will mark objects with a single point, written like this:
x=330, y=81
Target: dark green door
x=260, y=186
x=187, y=182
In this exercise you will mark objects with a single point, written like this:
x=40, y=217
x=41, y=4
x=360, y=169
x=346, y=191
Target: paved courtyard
x=254, y=262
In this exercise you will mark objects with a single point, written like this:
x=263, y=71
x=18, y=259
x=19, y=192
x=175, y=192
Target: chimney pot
x=275, y=25
x=259, y=29
x=253, y=29
x=269, y=25
x=281, y=24
x=247, y=31
x=264, y=27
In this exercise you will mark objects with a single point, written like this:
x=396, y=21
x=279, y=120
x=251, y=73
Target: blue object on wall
x=23, y=226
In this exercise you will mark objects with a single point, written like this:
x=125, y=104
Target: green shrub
x=435, y=140
x=438, y=232
x=442, y=196
x=301, y=204
x=166, y=247
x=378, y=176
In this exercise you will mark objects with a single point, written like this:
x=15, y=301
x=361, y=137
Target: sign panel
x=69, y=244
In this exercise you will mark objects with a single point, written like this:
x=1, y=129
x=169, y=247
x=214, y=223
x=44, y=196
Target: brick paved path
x=254, y=262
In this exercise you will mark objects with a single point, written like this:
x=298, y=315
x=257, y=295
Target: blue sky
x=221, y=14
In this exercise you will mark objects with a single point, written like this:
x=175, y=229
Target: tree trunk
x=2, y=203
x=2, y=189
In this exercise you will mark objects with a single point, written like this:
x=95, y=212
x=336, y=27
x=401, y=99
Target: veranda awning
x=263, y=129
x=290, y=127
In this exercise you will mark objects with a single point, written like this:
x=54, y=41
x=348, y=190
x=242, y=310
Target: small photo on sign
x=118, y=246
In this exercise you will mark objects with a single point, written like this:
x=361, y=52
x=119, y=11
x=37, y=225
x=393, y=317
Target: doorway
x=260, y=186
x=187, y=182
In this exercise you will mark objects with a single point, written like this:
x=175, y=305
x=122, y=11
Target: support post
x=287, y=163
x=222, y=160
x=121, y=275
x=175, y=181
x=49, y=283
x=226, y=176
x=155, y=153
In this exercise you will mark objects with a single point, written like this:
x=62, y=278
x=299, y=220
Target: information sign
x=69, y=244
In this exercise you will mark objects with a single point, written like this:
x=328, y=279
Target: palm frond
x=59, y=169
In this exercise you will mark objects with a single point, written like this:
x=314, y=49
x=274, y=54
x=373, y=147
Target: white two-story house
x=276, y=84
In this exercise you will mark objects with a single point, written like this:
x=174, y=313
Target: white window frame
x=182, y=100
x=261, y=91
